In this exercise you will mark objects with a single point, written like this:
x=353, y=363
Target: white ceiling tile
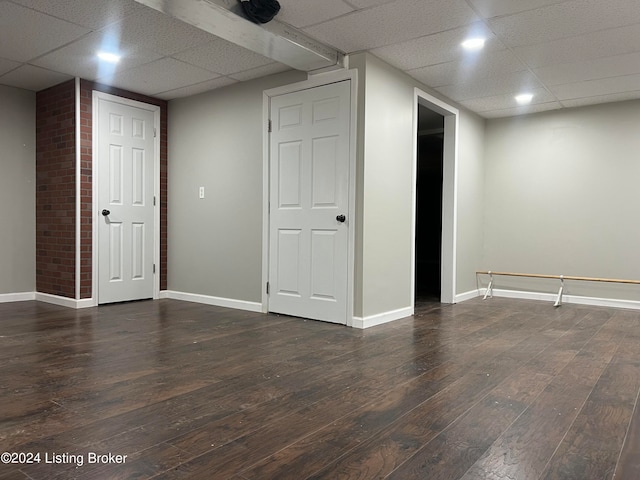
x=510, y=112
x=25, y=33
x=196, y=89
x=487, y=64
x=492, y=86
x=79, y=58
x=368, y=3
x=7, y=65
x=303, y=13
x=595, y=88
x=92, y=14
x=564, y=20
x=33, y=78
x=496, y=8
x=159, y=76
x=223, y=57
x=152, y=30
x=500, y=102
x=614, y=41
x=437, y=48
x=614, y=97
x=258, y=72
x=590, y=70
x=392, y=23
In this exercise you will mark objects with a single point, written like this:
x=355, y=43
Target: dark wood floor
x=500, y=389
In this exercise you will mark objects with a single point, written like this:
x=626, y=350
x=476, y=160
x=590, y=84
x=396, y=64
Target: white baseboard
x=209, y=300
x=380, y=318
x=17, y=297
x=576, y=299
x=463, y=297
x=65, y=301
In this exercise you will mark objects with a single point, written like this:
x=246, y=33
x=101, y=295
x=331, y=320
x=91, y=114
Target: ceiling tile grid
x=596, y=88
x=564, y=20
x=499, y=8
x=79, y=58
x=25, y=33
x=258, y=72
x=302, y=14
x=588, y=46
x=505, y=101
x=604, y=67
x=436, y=48
x=492, y=86
x=566, y=52
x=93, y=14
x=7, y=65
x=205, y=86
x=392, y=23
x=522, y=110
x=34, y=78
x=159, y=76
x=492, y=64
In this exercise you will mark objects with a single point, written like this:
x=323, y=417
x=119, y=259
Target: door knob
x=105, y=212
x=341, y=218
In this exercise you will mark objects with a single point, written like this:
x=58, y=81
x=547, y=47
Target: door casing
x=97, y=96
x=449, y=194
x=313, y=81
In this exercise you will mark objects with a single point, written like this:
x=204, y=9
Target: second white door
x=309, y=202
x=126, y=229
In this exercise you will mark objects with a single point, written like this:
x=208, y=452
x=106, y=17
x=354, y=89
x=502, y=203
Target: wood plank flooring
x=497, y=389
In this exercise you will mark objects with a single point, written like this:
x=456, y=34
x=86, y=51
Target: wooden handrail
x=558, y=277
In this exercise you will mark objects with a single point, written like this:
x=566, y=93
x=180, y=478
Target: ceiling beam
x=275, y=40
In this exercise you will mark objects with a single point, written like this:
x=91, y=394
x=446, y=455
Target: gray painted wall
x=215, y=141
x=563, y=197
x=471, y=194
x=17, y=190
x=386, y=165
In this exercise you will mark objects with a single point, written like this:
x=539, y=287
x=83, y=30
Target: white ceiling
x=567, y=52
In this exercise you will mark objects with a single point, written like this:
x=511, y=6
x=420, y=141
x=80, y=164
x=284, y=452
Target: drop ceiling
x=566, y=52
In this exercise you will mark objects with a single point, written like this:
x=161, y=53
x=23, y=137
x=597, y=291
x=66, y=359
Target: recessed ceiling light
x=524, y=98
x=473, y=43
x=109, y=57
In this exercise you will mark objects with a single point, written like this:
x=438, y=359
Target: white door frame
x=449, y=194
x=314, y=81
x=96, y=185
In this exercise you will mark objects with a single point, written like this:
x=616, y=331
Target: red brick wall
x=86, y=126
x=55, y=190
x=56, y=187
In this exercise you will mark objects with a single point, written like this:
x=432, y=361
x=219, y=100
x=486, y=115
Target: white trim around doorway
x=449, y=193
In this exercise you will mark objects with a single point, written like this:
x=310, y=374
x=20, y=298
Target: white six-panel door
x=125, y=156
x=309, y=202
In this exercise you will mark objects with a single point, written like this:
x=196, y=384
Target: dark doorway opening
x=428, y=266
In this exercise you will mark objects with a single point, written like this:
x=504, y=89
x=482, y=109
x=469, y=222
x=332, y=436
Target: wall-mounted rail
x=562, y=278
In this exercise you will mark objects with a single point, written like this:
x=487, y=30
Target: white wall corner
x=64, y=301
x=463, y=297
x=380, y=318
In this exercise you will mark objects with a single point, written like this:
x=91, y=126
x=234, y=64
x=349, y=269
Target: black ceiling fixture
x=260, y=11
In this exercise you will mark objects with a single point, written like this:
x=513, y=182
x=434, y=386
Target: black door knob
x=341, y=218
x=105, y=212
